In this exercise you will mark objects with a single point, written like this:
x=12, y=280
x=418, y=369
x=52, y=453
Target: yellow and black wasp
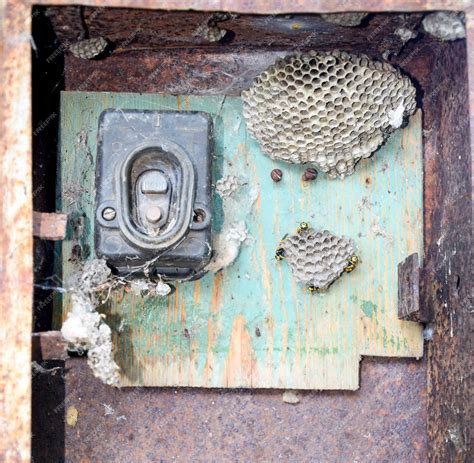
x=280, y=251
x=352, y=264
x=303, y=226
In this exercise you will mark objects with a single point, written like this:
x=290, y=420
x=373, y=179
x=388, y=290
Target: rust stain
x=208, y=367
x=239, y=368
x=187, y=104
x=183, y=312
x=216, y=293
x=176, y=305
x=197, y=292
x=258, y=202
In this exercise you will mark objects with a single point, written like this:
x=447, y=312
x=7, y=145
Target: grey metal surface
x=384, y=421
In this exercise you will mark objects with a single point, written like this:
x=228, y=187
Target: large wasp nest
x=317, y=258
x=328, y=109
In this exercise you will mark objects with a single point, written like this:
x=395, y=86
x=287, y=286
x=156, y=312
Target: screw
x=309, y=174
x=153, y=214
x=109, y=213
x=276, y=175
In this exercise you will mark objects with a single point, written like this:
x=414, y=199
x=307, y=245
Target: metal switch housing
x=153, y=192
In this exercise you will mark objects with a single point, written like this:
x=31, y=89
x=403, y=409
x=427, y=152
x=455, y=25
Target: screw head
x=109, y=213
x=276, y=175
x=153, y=214
x=309, y=174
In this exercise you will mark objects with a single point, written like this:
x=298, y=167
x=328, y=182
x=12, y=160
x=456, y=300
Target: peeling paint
x=369, y=308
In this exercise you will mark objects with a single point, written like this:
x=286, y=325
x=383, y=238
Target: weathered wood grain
x=251, y=325
x=448, y=254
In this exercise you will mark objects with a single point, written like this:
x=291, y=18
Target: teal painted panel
x=252, y=325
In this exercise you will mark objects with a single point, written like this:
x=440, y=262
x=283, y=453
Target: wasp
x=279, y=254
x=313, y=289
x=352, y=264
x=302, y=227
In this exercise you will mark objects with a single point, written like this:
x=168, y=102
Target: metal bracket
x=410, y=280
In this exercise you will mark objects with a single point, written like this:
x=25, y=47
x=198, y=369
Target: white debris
x=137, y=286
x=444, y=25
x=150, y=288
x=84, y=327
x=162, y=289
x=235, y=201
x=378, y=230
x=108, y=409
x=227, y=246
x=290, y=397
x=39, y=369
x=428, y=333
x=364, y=204
x=405, y=34
x=396, y=116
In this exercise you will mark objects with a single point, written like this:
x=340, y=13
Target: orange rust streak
x=258, y=202
x=176, y=305
x=216, y=293
x=197, y=292
x=240, y=363
x=210, y=354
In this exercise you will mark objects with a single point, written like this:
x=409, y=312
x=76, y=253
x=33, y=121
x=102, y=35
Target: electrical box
x=153, y=192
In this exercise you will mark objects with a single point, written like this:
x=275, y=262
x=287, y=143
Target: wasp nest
x=444, y=25
x=89, y=48
x=328, y=109
x=227, y=186
x=345, y=19
x=317, y=258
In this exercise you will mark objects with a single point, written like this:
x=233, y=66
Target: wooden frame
x=448, y=163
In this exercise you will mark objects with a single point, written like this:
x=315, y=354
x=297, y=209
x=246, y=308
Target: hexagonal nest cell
x=327, y=108
x=317, y=258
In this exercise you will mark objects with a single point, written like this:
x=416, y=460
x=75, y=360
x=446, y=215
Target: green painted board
x=252, y=325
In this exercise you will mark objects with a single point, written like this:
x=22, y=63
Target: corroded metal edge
x=48, y=345
x=16, y=266
x=409, y=288
x=277, y=7
x=49, y=225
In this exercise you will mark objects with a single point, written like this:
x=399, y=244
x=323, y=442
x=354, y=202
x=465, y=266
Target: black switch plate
x=153, y=192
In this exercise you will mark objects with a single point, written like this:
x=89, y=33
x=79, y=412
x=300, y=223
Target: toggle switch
x=153, y=182
x=153, y=200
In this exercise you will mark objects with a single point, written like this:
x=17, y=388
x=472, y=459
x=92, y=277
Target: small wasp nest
x=317, y=258
x=345, y=19
x=445, y=25
x=227, y=186
x=328, y=109
x=89, y=48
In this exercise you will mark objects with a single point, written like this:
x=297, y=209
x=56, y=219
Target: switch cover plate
x=153, y=192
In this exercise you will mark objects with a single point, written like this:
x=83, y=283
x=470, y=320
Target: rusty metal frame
x=16, y=224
